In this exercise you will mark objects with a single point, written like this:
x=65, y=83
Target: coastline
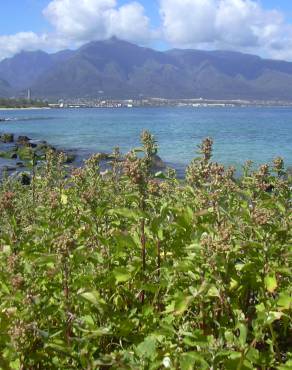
x=25, y=108
x=14, y=157
x=18, y=151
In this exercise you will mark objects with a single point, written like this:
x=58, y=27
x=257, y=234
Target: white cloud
x=12, y=44
x=188, y=22
x=130, y=23
x=211, y=24
x=85, y=20
x=228, y=24
x=78, y=21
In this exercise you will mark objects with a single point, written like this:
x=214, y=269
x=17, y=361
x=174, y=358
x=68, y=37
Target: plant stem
x=158, y=258
x=143, y=244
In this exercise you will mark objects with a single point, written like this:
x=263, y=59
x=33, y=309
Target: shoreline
x=12, y=162
x=17, y=151
x=25, y=108
x=209, y=106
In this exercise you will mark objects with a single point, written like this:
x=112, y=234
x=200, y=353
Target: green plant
x=131, y=269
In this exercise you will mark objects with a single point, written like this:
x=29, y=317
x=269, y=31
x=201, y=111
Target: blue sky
x=261, y=27
x=13, y=19
x=26, y=15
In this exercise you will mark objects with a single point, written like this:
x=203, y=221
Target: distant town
x=27, y=101
x=160, y=102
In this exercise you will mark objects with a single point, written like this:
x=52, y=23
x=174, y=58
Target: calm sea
x=258, y=134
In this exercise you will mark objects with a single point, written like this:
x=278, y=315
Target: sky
x=262, y=27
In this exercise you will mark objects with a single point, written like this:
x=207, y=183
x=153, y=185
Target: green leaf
x=273, y=316
x=243, y=334
x=233, y=284
x=181, y=304
x=193, y=360
x=285, y=302
x=160, y=175
x=121, y=274
x=271, y=282
x=4, y=288
x=132, y=214
x=147, y=348
x=253, y=355
x=14, y=365
x=125, y=241
x=93, y=297
x=196, y=338
x=260, y=308
x=138, y=150
x=286, y=366
x=59, y=347
x=213, y=292
x=281, y=206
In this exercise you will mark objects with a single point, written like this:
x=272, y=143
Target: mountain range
x=119, y=69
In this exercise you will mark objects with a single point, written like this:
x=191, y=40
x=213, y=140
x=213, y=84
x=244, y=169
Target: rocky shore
x=17, y=153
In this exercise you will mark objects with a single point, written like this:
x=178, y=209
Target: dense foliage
x=125, y=269
x=21, y=103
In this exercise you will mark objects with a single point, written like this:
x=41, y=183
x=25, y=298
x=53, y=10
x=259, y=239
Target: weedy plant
x=128, y=269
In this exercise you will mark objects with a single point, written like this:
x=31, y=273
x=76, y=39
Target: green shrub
x=131, y=270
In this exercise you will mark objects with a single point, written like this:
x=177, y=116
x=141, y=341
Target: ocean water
x=240, y=134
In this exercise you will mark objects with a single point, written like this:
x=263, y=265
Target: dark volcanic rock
x=7, y=138
x=8, y=168
x=70, y=158
x=25, y=178
x=26, y=141
x=23, y=140
x=158, y=163
x=14, y=155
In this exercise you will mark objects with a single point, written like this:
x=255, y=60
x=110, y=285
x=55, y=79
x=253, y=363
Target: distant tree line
x=21, y=103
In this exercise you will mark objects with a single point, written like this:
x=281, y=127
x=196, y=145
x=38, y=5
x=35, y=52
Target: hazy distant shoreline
x=25, y=108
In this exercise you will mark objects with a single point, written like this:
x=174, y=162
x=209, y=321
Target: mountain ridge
x=119, y=69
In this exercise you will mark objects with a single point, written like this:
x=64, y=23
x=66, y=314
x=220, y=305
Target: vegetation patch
x=22, y=103
x=134, y=270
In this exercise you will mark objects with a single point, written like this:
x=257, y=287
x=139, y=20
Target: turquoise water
x=239, y=134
